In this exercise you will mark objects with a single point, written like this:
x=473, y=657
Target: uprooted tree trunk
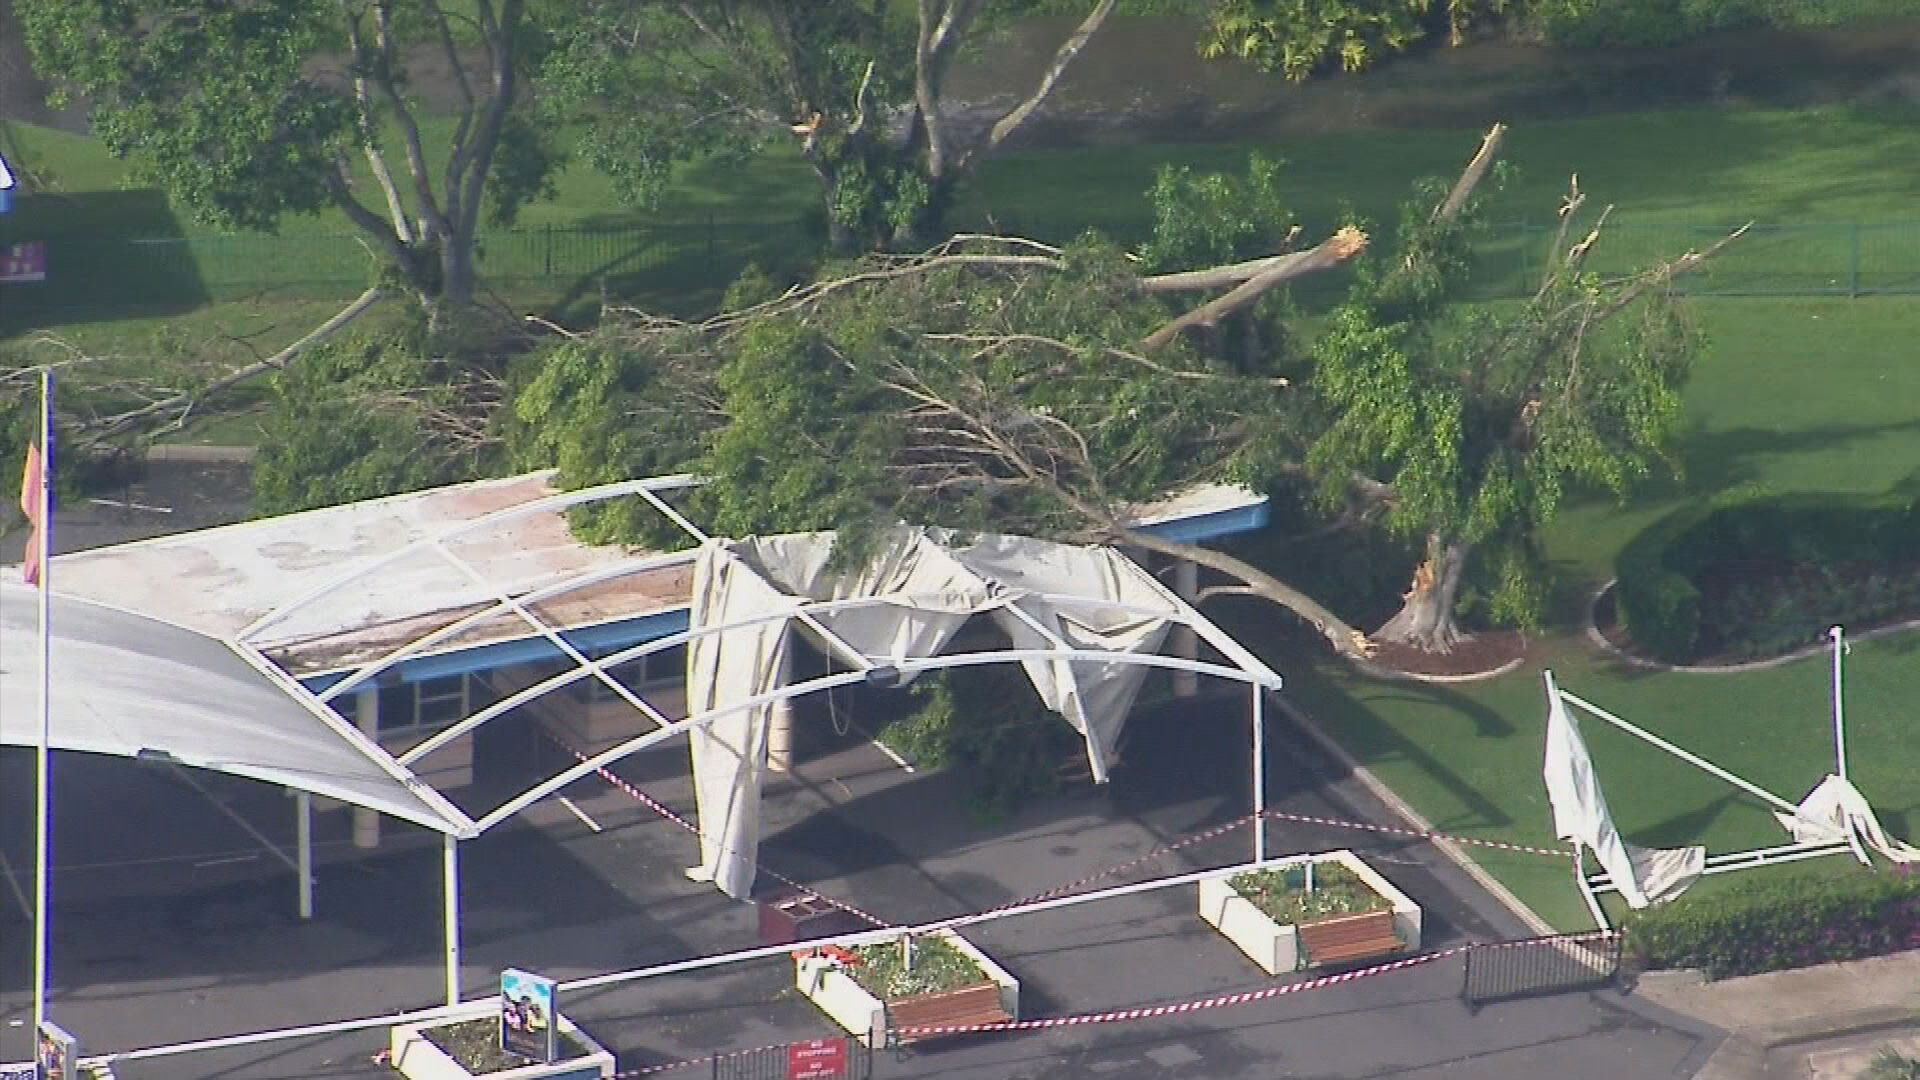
x=1426, y=618
x=1254, y=581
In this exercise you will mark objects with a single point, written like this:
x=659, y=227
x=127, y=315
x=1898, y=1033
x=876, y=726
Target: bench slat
x=972, y=1005
x=1350, y=937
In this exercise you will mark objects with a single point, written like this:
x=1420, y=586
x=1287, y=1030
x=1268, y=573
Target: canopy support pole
x=303, y=841
x=452, y=884
x=1259, y=772
x=1839, y=705
x=1695, y=760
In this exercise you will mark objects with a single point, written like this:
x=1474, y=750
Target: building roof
x=223, y=581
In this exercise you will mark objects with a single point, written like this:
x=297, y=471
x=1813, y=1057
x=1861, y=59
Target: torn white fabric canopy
x=1643, y=876
x=124, y=684
x=930, y=581
x=1834, y=810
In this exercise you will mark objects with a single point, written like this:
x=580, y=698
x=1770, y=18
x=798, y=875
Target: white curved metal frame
x=1243, y=665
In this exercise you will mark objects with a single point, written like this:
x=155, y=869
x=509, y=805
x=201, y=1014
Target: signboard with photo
x=25, y=261
x=56, y=1054
x=529, y=1017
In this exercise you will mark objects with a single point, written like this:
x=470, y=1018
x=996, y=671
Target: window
x=650, y=672
x=425, y=705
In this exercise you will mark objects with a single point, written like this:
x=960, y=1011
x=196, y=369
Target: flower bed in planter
x=1261, y=907
x=467, y=1045
x=857, y=987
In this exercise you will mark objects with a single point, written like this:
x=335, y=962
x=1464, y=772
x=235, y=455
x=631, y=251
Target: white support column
x=780, y=723
x=1186, y=644
x=1839, y=704
x=1259, y=772
x=452, y=886
x=303, y=840
x=366, y=716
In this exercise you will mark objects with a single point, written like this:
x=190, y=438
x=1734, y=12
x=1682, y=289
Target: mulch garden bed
x=1484, y=651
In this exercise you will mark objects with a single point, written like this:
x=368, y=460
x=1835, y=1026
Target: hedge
x=1772, y=923
x=1656, y=592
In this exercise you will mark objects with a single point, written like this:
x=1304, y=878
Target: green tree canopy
x=249, y=113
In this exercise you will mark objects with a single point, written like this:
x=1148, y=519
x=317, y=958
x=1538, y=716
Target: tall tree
x=1004, y=384
x=248, y=113
x=1478, y=421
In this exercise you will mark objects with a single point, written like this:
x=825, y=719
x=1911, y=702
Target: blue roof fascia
x=1203, y=527
x=626, y=633
x=602, y=638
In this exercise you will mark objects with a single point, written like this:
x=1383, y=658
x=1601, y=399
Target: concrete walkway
x=1825, y=1021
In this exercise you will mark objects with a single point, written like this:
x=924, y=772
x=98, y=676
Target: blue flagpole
x=43, y=811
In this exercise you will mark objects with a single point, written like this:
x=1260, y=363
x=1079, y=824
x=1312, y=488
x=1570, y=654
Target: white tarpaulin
x=1643, y=876
x=127, y=685
x=931, y=582
x=1835, y=810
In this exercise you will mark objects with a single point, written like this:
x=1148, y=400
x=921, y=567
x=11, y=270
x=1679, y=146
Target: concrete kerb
x=1414, y=818
x=1743, y=1056
x=224, y=455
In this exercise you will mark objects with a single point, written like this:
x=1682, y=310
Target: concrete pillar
x=780, y=724
x=366, y=716
x=1186, y=644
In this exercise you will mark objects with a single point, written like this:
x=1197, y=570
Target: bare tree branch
x=370, y=127
x=409, y=128
x=1063, y=58
x=108, y=427
x=1471, y=176
x=1331, y=252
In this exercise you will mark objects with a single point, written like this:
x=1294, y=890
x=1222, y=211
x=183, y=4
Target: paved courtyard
x=170, y=930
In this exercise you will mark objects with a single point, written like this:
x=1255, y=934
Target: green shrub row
x=1772, y=923
x=1836, y=546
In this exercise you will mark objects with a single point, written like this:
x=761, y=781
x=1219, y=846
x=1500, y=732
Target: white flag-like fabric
x=1643, y=876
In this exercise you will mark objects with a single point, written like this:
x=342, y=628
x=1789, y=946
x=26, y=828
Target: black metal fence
x=814, y=1059
x=1535, y=967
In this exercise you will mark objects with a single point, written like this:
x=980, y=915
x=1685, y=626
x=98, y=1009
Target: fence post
x=549, y=252
x=1853, y=263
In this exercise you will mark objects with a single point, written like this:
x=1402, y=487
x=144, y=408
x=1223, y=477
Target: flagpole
x=43, y=748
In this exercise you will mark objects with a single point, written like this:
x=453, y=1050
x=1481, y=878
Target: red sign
x=25, y=261
x=817, y=1059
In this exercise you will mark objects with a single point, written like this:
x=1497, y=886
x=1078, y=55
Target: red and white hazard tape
x=1498, y=845
x=1099, y=875
x=620, y=783
x=1222, y=1001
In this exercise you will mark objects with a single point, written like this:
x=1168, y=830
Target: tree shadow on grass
x=110, y=255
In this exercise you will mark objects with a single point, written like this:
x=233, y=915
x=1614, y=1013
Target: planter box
x=1276, y=948
x=419, y=1059
x=864, y=1015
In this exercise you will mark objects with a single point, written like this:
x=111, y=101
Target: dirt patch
x=1479, y=654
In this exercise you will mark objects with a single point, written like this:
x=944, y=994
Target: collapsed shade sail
x=931, y=581
x=124, y=683
x=1642, y=875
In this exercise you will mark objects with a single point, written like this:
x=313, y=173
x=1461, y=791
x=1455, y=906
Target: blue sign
x=529, y=1018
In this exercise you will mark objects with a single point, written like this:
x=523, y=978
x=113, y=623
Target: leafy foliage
x=1771, y=923
x=1751, y=577
x=242, y=114
x=881, y=968
x=354, y=420
x=1282, y=894
x=989, y=721
x=1300, y=38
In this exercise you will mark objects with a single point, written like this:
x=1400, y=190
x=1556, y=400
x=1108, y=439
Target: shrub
x=1819, y=560
x=989, y=721
x=1772, y=923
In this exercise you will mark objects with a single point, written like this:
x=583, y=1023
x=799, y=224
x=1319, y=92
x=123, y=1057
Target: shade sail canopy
x=1045, y=596
x=125, y=683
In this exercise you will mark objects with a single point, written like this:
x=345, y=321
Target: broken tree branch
x=1329, y=253
x=108, y=427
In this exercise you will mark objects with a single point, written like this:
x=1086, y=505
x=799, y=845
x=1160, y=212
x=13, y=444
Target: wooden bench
x=1350, y=937
x=970, y=1005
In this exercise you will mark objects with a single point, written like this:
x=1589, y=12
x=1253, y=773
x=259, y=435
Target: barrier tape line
x=1148, y=1012
x=620, y=783
x=1499, y=845
x=1061, y=890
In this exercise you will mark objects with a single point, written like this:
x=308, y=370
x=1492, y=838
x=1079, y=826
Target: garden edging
x=1600, y=641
